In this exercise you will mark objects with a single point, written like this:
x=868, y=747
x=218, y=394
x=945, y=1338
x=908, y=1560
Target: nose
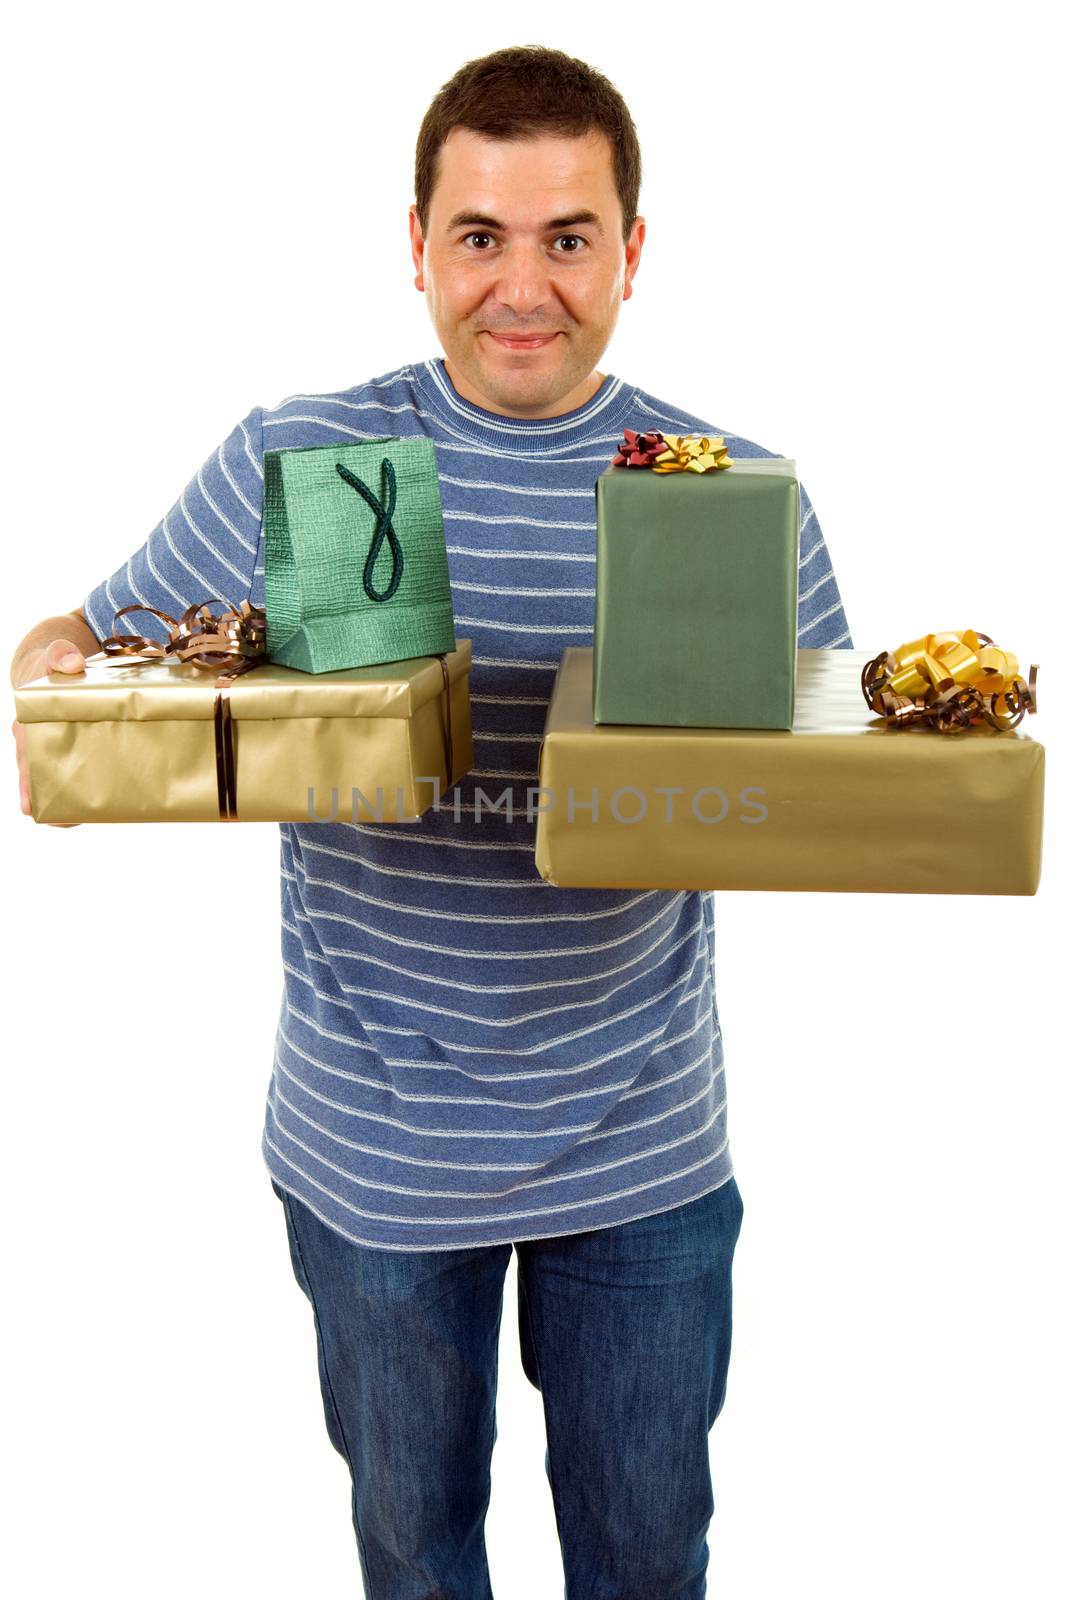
x=524, y=283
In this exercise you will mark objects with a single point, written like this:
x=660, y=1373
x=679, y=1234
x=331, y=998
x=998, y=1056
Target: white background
x=853, y=257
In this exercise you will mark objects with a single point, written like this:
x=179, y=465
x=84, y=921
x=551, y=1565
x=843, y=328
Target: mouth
x=521, y=342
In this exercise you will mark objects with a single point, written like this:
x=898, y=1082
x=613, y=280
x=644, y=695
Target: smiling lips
x=531, y=342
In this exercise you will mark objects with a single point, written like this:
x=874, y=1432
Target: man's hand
x=59, y=655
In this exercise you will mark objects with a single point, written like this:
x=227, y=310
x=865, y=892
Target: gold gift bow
x=238, y=636
x=949, y=680
x=692, y=452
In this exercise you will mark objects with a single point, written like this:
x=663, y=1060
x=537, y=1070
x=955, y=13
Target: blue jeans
x=625, y=1331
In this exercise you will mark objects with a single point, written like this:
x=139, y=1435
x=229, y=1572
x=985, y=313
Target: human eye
x=481, y=234
x=576, y=238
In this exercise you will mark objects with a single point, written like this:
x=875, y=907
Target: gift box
x=696, y=596
x=842, y=801
x=157, y=740
x=356, y=566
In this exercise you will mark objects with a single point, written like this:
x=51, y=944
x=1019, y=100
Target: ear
x=418, y=245
x=634, y=246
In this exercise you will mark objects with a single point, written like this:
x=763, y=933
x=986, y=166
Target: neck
x=569, y=402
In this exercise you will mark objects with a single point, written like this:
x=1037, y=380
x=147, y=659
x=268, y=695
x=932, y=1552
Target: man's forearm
x=67, y=625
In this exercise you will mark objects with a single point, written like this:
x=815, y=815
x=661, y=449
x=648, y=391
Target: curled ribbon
x=671, y=452
x=949, y=680
x=204, y=640
x=236, y=641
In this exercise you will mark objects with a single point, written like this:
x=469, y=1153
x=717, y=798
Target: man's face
x=524, y=268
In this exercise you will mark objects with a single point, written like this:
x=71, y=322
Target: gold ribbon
x=236, y=641
x=949, y=680
x=692, y=452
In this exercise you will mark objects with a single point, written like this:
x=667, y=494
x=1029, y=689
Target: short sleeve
x=821, y=620
x=205, y=547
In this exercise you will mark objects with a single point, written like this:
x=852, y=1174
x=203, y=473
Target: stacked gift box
x=696, y=747
x=345, y=698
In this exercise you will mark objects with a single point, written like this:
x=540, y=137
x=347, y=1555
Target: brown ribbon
x=236, y=641
x=442, y=658
x=949, y=680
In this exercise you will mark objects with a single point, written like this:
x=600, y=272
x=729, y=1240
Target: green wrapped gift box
x=355, y=564
x=696, y=596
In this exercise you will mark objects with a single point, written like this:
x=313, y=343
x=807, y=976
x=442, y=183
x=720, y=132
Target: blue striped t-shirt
x=465, y=1054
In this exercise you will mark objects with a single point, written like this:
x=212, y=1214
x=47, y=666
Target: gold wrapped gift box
x=138, y=740
x=841, y=801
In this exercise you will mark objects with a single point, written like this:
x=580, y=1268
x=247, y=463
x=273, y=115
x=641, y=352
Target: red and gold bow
x=949, y=680
x=671, y=452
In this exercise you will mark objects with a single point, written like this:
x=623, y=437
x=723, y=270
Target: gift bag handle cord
x=383, y=528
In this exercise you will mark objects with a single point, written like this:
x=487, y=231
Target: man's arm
x=205, y=548
x=821, y=620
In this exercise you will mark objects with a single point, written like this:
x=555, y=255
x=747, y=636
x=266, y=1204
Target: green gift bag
x=356, y=570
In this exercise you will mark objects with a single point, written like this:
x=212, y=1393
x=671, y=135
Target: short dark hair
x=519, y=93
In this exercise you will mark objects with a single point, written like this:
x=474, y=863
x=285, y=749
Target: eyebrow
x=477, y=219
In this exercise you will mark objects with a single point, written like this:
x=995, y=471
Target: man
x=468, y=1058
